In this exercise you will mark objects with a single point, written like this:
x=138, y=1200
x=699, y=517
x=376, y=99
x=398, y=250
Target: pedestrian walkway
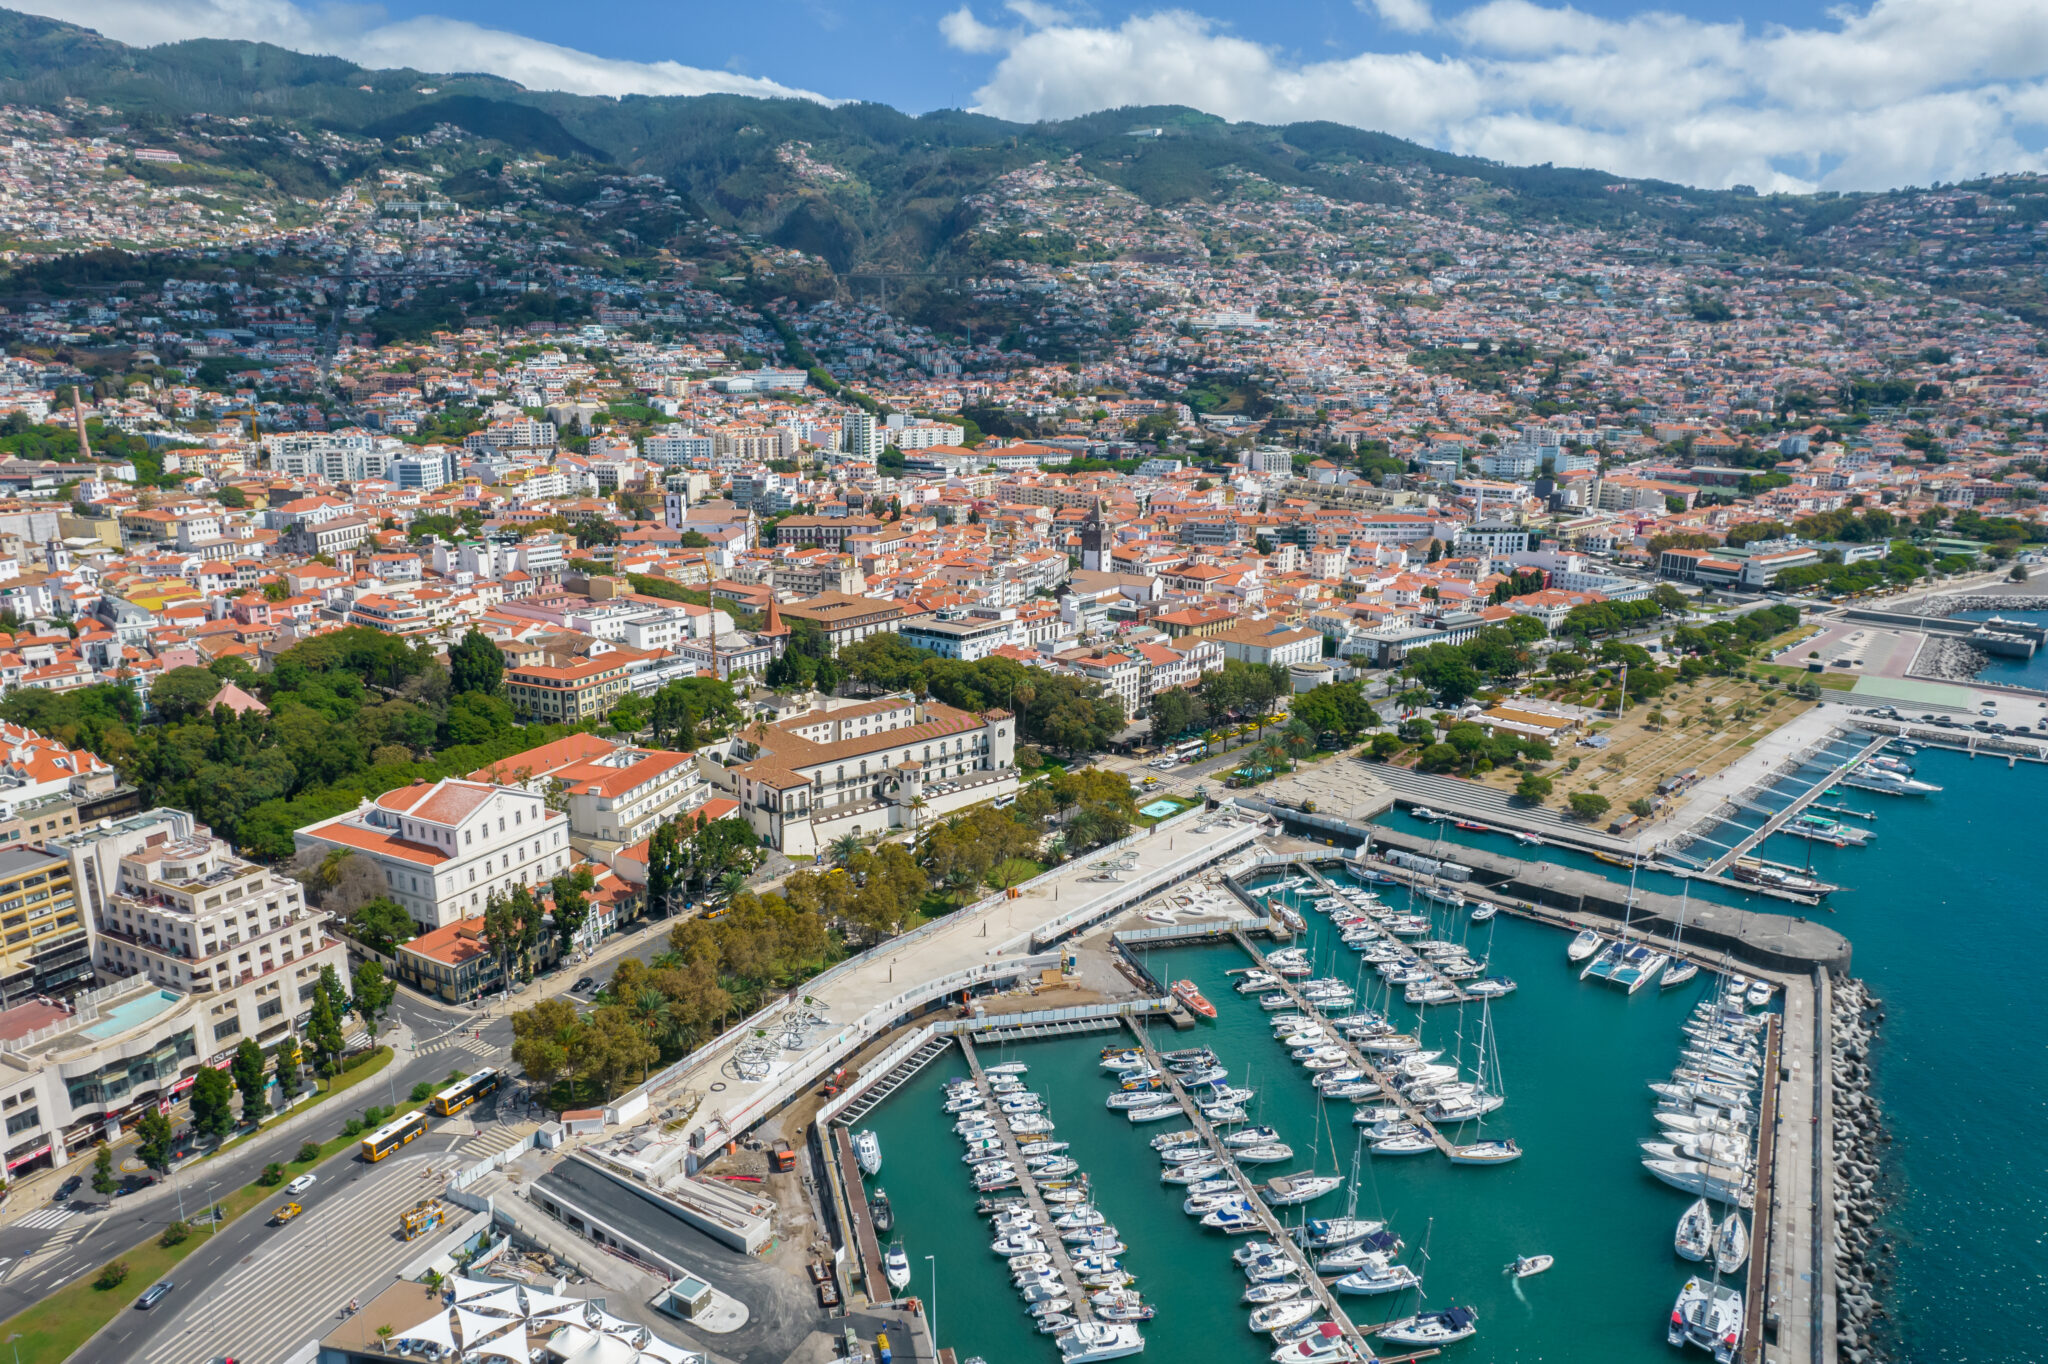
x=47, y=1217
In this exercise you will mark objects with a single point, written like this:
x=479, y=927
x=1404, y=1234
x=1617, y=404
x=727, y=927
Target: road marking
x=47, y=1217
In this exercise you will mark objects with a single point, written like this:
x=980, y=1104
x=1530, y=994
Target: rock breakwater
x=1863, y=1257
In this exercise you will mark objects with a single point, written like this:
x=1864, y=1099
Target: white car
x=299, y=1185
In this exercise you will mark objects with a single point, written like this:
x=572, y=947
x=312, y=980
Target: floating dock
x=1028, y=1187
x=1777, y=822
x=1275, y=1229
x=1437, y=977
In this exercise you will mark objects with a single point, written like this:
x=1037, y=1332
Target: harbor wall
x=1774, y=942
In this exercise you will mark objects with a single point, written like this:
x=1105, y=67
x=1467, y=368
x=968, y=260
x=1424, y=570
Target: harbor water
x=2014, y=672
x=1943, y=908
x=1960, y=1070
x=1575, y=1058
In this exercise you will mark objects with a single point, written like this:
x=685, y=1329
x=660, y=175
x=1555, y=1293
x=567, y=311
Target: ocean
x=1961, y=1075
x=2014, y=672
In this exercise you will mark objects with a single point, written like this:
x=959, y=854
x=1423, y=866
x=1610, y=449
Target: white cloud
x=429, y=43
x=1405, y=16
x=1900, y=92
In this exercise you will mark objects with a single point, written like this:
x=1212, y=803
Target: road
x=48, y=1244
x=258, y=1291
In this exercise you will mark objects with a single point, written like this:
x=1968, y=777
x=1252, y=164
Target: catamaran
x=1708, y=1315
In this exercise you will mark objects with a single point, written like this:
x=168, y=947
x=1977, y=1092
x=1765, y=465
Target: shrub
x=352, y=1128
x=272, y=1176
x=309, y=1153
x=422, y=1092
x=112, y=1275
x=174, y=1233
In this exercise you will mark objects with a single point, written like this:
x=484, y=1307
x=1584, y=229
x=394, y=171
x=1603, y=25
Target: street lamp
x=933, y=1316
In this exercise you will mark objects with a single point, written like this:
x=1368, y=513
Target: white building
x=444, y=847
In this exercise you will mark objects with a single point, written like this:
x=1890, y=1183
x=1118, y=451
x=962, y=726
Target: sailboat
x=1427, y=1329
x=1682, y=969
x=1731, y=1244
x=1498, y=1151
x=1694, y=1240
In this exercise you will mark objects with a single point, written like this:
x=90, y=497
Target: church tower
x=1095, y=543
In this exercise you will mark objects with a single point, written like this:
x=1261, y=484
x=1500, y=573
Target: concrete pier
x=1779, y=943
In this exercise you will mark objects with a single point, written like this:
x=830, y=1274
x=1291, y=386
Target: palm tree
x=844, y=847
x=732, y=883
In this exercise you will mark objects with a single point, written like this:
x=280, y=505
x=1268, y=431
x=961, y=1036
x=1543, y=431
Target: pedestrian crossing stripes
x=467, y=1045
x=344, y=1248
x=47, y=1217
x=357, y=1041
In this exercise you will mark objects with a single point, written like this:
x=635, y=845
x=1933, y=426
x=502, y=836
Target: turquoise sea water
x=2018, y=672
x=1945, y=915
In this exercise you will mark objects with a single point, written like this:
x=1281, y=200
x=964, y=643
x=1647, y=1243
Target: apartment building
x=444, y=847
x=45, y=947
x=566, y=693
x=613, y=793
x=845, y=619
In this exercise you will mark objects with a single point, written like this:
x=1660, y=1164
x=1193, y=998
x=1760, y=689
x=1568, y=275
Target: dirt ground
x=1640, y=754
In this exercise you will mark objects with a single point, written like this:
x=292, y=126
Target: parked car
x=67, y=1188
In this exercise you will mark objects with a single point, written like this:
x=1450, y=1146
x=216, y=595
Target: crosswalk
x=461, y=1042
x=288, y=1293
x=46, y=1217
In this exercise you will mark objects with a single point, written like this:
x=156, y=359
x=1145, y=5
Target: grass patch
x=340, y=1084
x=55, y=1327
x=1832, y=680
x=1016, y=871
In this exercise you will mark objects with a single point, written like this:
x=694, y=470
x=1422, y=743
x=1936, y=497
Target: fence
x=85, y=1007
x=462, y=1179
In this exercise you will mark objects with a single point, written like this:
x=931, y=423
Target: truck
x=781, y=1157
x=286, y=1214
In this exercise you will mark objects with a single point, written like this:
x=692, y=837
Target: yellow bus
x=393, y=1135
x=463, y=1093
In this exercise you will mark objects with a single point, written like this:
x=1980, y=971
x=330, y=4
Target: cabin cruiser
x=1328, y=1233
x=1089, y=1342
x=1433, y=1328
x=867, y=1149
x=1377, y=1276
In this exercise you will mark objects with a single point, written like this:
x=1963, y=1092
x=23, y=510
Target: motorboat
x=1527, y=1266
x=1376, y=1277
x=1020, y=1264
x=867, y=1149
x=1192, y=999
x=1253, y=1250
x=1202, y=1204
x=1030, y=1124
x=1271, y=1270
x=1721, y=1183
x=1694, y=1239
x=1057, y=1323
x=1089, y=1342
x=1275, y=1315
x=1327, y=1346
x=896, y=1267
x=1123, y=1058
x=1484, y=910
x=1433, y=1329
x=1127, y=1311
x=880, y=1212
x=1156, y=1113
x=1758, y=994
x=1189, y=1174
x=966, y=1103
x=1719, y=1150
x=1583, y=946
x=1050, y=1307
x=1236, y=1220
x=1016, y=1243
x=1076, y=1218
x=1044, y=1148
x=1187, y=1136
x=1731, y=1244
x=1424, y=813
x=1207, y=1075
x=1708, y=1315
x=1186, y=1155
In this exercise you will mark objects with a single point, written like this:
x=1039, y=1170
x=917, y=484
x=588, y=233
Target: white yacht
x=1090, y=1341
x=1433, y=1328
x=867, y=1149
x=1583, y=946
x=896, y=1267
x=1731, y=1244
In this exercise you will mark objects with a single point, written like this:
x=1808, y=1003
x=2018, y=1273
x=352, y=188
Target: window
x=227, y=1029
x=23, y=1121
x=269, y=1008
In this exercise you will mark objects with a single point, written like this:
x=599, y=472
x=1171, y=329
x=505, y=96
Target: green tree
x=1588, y=805
x=382, y=924
x=1532, y=789
x=251, y=1079
x=664, y=868
x=1642, y=807
x=213, y=1102
x=323, y=1031
x=104, y=1181
x=183, y=693
x=372, y=995
x=571, y=895
x=154, y=1139
x=286, y=1063
x=475, y=665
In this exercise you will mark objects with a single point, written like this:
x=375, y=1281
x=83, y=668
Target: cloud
x=1405, y=16
x=1900, y=92
x=362, y=34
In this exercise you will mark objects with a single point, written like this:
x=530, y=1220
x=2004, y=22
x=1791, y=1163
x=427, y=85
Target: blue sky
x=1861, y=95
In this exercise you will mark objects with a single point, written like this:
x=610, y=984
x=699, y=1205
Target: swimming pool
x=1159, y=809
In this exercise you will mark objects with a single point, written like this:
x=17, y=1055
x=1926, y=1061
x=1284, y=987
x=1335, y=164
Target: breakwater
x=1774, y=942
x=1948, y=658
x=1862, y=1254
